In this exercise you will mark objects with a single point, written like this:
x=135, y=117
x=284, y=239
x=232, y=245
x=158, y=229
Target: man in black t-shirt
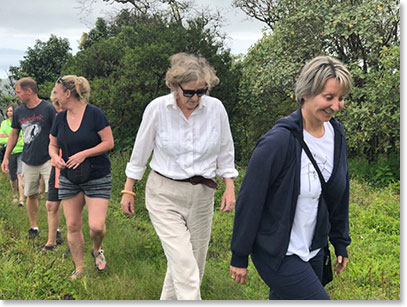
x=35, y=117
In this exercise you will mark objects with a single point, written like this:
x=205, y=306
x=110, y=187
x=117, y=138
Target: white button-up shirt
x=182, y=148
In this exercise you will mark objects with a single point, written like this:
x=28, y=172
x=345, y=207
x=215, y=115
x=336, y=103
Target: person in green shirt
x=15, y=164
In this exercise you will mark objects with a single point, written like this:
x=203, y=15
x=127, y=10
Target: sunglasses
x=191, y=93
x=59, y=80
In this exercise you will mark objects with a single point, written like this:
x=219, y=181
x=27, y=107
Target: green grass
x=137, y=263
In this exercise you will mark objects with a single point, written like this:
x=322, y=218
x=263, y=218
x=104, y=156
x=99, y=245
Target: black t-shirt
x=36, y=124
x=93, y=121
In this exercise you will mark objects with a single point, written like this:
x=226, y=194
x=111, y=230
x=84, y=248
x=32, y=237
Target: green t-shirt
x=5, y=128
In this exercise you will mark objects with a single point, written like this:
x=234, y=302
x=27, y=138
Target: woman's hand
x=75, y=160
x=238, y=274
x=228, y=198
x=340, y=264
x=59, y=162
x=127, y=204
x=127, y=201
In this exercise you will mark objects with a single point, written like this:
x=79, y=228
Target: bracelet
x=128, y=192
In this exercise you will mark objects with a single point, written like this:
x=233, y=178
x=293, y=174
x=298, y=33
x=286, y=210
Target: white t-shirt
x=305, y=217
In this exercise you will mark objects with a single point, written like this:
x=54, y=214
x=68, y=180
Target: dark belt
x=196, y=180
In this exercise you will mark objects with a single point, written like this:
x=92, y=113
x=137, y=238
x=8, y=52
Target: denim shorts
x=95, y=188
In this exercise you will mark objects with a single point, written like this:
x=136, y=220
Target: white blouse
x=182, y=148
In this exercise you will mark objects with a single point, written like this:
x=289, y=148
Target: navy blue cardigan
x=268, y=196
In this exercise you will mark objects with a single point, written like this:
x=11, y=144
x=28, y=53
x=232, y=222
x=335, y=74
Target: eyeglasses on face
x=191, y=93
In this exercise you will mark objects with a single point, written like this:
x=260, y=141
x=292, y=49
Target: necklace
x=78, y=114
x=74, y=116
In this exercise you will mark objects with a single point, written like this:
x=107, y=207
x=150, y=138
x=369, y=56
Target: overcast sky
x=22, y=22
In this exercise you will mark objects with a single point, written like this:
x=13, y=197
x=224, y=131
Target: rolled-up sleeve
x=226, y=158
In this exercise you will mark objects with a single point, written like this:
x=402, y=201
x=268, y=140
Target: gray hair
x=188, y=67
x=317, y=72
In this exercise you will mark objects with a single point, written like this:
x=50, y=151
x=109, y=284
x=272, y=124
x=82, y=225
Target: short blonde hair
x=317, y=72
x=188, y=67
x=54, y=100
x=78, y=86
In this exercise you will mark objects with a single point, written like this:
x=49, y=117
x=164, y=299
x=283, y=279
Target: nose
x=195, y=97
x=337, y=105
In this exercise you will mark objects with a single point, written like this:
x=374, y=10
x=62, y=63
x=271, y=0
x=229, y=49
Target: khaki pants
x=181, y=214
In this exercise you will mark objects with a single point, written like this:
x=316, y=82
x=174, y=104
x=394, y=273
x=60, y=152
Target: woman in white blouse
x=189, y=135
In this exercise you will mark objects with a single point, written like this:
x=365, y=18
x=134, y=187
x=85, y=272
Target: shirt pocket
x=170, y=145
x=210, y=142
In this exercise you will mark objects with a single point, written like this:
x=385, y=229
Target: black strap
x=327, y=257
x=309, y=154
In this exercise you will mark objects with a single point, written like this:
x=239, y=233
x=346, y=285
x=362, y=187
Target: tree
x=372, y=116
x=127, y=66
x=7, y=96
x=43, y=63
x=365, y=35
x=153, y=7
x=100, y=32
x=264, y=11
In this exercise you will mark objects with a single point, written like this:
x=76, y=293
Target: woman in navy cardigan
x=281, y=220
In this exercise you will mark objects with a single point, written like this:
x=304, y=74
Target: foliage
x=43, y=63
x=137, y=264
x=176, y=8
x=374, y=268
x=6, y=95
x=383, y=171
x=372, y=115
x=100, y=32
x=126, y=61
x=365, y=35
x=264, y=95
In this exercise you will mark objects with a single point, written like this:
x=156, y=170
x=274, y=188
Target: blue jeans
x=295, y=279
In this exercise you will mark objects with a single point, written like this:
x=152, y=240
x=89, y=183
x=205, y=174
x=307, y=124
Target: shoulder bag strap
x=327, y=268
x=309, y=154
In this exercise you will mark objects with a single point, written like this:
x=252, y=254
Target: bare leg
x=20, y=188
x=97, y=209
x=54, y=214
x=13, y=184
x=32, y=209
x=42, y=185
x=73, y=208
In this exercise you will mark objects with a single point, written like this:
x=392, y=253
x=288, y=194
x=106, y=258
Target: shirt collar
x=172, y=102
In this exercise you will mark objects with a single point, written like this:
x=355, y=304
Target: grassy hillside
x=137, y=263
